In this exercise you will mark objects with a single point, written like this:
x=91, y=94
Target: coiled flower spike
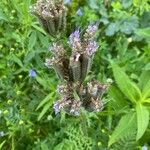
x=51, y=14
x=73, y=70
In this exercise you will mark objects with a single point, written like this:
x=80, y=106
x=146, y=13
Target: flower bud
x=51, y=14
x=96, y=105
x=86, y=62
x=75, y=108
x=63, y=104
x=75, y=67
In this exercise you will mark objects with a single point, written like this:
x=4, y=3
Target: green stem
x=13, y=143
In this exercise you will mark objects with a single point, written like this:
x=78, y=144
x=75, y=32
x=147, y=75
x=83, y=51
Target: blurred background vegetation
x=28, y=88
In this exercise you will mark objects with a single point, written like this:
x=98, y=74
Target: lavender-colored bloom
x=67, y=2
x=57, y=49
x=32, y=73
x=56, y=107
x=90, y=32
x=91, y=48
x=92, y=29
x=79, y=12
x=74, y=40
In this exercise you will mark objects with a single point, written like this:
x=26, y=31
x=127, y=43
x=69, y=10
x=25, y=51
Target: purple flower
x=67, y=2
x=56, y=107
x=92, y=29
x=74, y=40
x=32, y=73
x=91, y=48
x=90, y=32
x=79, y=12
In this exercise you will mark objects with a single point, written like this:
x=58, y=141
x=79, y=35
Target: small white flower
x=144, y=147
x=2, y=133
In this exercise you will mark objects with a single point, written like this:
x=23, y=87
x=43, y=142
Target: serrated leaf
x=45, y=100
x=130, y=89
x=144, y=78
x=142, y=120
x=127, y=124
x=118, y=100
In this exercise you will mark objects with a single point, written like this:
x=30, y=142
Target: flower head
x=90, y=31
x=32, y=73
x=51, y=14
x=56, y=107
x=75, y=41
x=91, y=48
x=57, y=49
x=49, y=62
x=61, y=105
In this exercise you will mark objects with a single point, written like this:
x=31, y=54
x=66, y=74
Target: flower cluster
x=51, y=14
x=73, y=70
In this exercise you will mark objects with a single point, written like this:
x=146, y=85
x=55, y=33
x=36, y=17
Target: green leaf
x=127, y=124
x=118, y=101
x=16, y=60
x=38, y=28
x=130, y=90
x=144, y=33
x=146, y=100
x=45, y=100
x=142, y=120
x=147, y=67
x=29, y=56
x=146, y=90
x=3, y=16
x=44, y=146
x=43, y=82
x=144, y=78
x=93, y=4
x=32, y=40
x=129, y=24
x=45, y=109
x=1, y=144
x=65, y=145
x=112, y=29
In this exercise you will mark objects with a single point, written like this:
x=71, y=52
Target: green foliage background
x=26, y=114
